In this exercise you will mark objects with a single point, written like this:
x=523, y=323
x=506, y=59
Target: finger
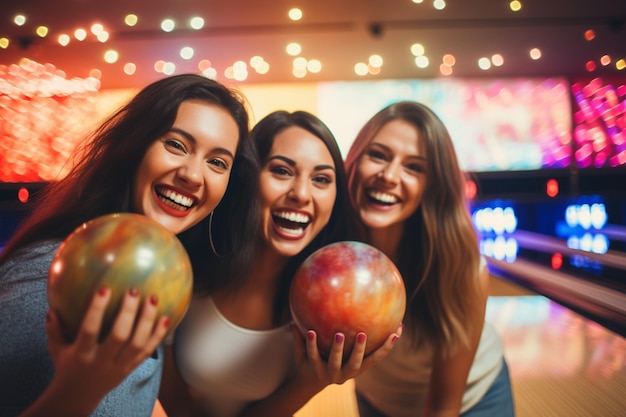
x=315, y=359
x=125, y=320
x=157, y=336
x=146, y=323
x=377, y=355
x=353, y=365
x=92, y=322
x=312, y=351
x=335, y=358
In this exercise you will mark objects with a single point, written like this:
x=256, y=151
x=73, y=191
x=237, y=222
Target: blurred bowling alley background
x=533, y=93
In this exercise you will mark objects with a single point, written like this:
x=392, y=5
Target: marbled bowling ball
x=348, y=287
x=120, y=251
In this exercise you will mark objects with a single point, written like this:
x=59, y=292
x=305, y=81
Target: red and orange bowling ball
x=120, y=251
x=348, y=287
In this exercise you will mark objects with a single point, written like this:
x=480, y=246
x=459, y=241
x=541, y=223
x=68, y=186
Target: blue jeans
x=497, y=401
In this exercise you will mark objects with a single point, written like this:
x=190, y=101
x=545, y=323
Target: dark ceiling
x=338, y=33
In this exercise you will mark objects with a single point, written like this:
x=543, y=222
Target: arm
x=87, y=370
x=450, y=373
x=313, y=374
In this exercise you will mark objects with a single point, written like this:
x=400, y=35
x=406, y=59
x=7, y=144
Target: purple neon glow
x=599, y=124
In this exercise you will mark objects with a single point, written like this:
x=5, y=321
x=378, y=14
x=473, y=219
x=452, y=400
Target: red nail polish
x=166, y=321
x=102, y=291
x=360, y=338
x=134, y=292
x=310, y=334
x=394, y=339
x=154, y=300
x=338, y=338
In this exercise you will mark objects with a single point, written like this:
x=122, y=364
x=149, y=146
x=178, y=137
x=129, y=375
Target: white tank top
x=398, y=384
x=226, y=366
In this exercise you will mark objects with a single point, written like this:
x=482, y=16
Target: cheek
x=326, y=204
x=215, y=193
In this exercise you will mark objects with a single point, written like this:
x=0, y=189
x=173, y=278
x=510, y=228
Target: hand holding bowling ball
x=119, y=251
x=348, y=287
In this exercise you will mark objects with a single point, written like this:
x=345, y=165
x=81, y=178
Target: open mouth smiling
x=173, y=199
x=382, y=198
x=290, y=222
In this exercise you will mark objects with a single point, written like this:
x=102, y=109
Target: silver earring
x=211, y=235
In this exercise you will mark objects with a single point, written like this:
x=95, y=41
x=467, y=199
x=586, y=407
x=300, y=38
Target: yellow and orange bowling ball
x=120, y=251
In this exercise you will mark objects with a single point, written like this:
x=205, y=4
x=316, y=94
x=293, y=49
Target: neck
x=267, y=267
x=386, y=239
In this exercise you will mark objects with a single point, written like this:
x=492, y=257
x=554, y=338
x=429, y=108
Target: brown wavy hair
x=438, y=255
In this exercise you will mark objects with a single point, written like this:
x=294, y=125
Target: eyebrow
x=292, y=163
x=388, y=149
x=190, y=138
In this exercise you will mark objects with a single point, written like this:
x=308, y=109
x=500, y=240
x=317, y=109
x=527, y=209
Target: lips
x=173, y=201
x=291, y=224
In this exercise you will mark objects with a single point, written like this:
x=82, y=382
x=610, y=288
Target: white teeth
x=383, y=197
x=178, y=198
x=293, y=217
x=293, y=232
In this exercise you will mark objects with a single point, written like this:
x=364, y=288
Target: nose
x=191, y=172
x=390, y=173
x=300, y=191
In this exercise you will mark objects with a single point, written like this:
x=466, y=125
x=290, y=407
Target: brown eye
x=175, y=144
x=218, y=162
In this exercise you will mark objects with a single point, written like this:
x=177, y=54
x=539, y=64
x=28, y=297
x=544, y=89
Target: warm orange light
x=557, y=261
x=552, y=187
x=590, y=66
x=590, y=34
x=23, y=195
x=470, y=189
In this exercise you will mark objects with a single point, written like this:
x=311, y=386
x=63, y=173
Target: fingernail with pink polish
x=360, y=338
x=338, y=338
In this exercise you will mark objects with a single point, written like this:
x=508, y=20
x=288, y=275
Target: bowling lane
x=561, y=363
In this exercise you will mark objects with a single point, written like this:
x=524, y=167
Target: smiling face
x=184, y=174
x=390, y=176
x=298, y=191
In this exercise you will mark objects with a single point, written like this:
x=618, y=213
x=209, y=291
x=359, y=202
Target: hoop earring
x=211, y=235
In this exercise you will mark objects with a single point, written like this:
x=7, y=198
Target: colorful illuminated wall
x=600, y=122
x=496, y=124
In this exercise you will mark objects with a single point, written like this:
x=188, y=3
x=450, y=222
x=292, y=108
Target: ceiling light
x=131, y=19
x=417, y=49
x=111, y=56
x=168, y=25
x=361, y=69
x=293, y=49
x=484, y=63
x=535, y=53
x=295, y=14
x=42, y=31
x=64, y=39
x=186, y=52
x=422, y=61
x=196, y=23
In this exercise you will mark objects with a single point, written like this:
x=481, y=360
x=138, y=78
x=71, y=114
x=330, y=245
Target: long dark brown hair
x=101, y=178
x=341, y=224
